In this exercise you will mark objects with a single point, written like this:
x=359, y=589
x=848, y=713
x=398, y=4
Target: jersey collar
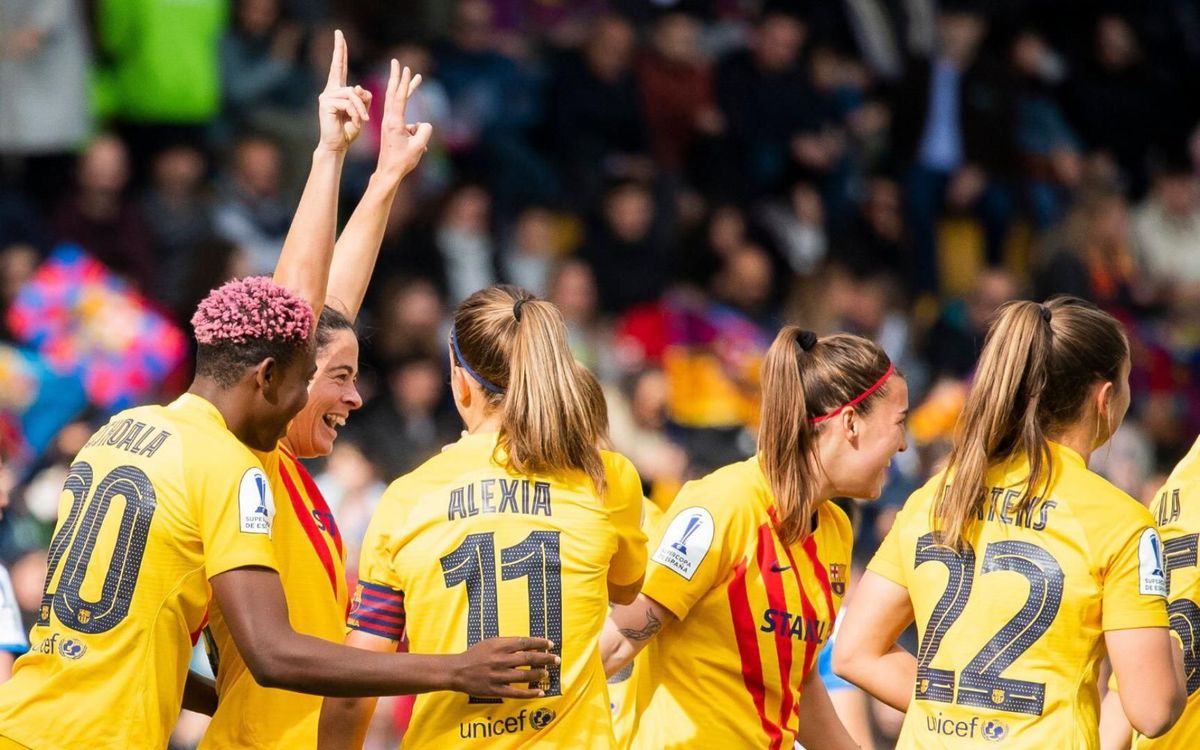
x=1066, y=455
x=192, y=402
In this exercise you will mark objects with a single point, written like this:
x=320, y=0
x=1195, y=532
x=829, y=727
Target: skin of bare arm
x=277, y=656
x=1148, y=664
x=344, y=721
x=304, y=261
x=401, y=146
x=629, y=629
x=1115, y=731
x=818, y=725
x=865, y=652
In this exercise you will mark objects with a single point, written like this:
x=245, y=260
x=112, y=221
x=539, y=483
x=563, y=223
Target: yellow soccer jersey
x=160, y=500
x=753, y=615
x=1011, y=629
x=629, y=688
x=1177, y=511
x=465, y=551
x=308, y=549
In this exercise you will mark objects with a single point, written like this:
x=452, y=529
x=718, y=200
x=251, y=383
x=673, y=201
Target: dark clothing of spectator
x=764, y=110
x=121, y=241
x=674, y=97
x=943, y=120
x=628, y=273
x=594, y=121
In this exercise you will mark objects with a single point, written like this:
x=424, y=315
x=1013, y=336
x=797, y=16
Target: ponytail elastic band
x=1045, y=313
x=858, y=400
x=806, y=340
x=517, y=309
x=487, y=385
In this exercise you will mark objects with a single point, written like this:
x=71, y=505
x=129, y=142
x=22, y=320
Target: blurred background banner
x=36, y=401
x=85, y=321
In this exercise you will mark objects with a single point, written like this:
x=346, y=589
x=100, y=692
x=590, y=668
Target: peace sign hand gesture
x=401, y=144
x=342, y=109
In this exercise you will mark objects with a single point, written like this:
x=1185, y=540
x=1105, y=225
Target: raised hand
x=401, y=144
x=491, y=667
x=342, y=109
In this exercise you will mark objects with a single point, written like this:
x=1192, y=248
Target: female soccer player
x=165, y=508
x=1020, y=566
x=751, y=566
x=512, y=529
x=308, y=547
x=1177, y=513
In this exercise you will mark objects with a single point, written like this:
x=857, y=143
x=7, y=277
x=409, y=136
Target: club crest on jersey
x=1152, y=580
x=256, y=506
x=686, y=542
x=837, y=578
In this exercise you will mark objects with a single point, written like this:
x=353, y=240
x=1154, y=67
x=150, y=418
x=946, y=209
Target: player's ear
x=851, y=422
x=460, y=388
x=266, y=376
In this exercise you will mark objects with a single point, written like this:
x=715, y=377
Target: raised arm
x=400, y=149
x=308, y=249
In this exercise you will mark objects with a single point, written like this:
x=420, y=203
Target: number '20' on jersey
x=160, y=500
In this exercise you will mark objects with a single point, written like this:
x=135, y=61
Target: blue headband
x=487, y=385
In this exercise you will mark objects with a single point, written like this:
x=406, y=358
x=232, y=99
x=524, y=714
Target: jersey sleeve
x=377, y=606
x=694, y=546
x=889, y=560
x=624, y=501
x=12, y=632
x=236, y=510
x=1131, y=568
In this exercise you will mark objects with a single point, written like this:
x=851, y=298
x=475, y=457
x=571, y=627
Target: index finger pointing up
x=338, y=66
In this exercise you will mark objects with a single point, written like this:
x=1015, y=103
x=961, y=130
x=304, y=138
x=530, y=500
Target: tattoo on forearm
x=653, y=625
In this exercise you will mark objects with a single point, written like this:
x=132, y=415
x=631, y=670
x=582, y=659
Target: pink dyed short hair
x=252, y=309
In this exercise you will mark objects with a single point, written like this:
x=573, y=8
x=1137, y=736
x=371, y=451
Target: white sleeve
x=12, y=632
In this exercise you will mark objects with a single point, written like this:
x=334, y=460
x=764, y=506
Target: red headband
x=861, y=397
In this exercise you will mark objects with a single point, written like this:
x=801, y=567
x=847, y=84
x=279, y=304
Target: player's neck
x=1079, y=437
x=228, y=403
x=482, y=422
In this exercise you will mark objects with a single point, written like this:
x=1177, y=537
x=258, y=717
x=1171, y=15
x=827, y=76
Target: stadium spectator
x=44, y=60
x=251, y=211
x=101, y=216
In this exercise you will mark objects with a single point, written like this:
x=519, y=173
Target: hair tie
x=806, y=339
x=517, y=309
x=1045, y=313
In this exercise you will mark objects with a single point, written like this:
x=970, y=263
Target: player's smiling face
x=859, y=463
x=332, y=395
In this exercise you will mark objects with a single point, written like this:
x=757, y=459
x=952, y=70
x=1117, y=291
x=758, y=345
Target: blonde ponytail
x=517, y=344
x=1034, y=376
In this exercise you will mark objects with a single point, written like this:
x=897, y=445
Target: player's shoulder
x=617, y=464
x=624, y=482
x=725, y=491
x=1095, y=501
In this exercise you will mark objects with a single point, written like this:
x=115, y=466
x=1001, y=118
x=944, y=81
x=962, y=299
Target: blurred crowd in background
x=680, y=177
